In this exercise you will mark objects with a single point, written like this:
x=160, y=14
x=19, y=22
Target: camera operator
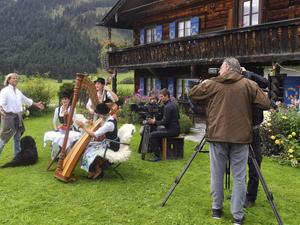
x=229, y=130
x=257, y=119
x=150, y=110
x=170, y=121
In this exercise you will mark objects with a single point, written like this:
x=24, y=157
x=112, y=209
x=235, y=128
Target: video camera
x=147, y=110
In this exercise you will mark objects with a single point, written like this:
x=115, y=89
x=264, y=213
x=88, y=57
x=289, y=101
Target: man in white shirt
x=11, y=101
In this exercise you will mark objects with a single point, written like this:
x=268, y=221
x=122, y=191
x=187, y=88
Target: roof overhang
x=122, y=14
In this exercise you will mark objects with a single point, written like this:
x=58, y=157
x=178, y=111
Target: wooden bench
x=172, y=147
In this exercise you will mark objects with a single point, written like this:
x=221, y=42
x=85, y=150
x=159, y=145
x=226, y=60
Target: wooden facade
x=176, y=41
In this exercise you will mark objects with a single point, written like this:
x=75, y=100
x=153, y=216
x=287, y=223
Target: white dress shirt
x=108, y=126
x=12, y=99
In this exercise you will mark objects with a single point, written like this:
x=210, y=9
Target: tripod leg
x=178, y=178
x=269, y=194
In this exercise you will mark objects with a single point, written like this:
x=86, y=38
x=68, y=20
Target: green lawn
x=31, y=195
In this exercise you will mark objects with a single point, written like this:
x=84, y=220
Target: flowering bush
x=280, y=135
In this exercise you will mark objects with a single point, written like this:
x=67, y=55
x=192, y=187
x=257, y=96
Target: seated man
x=92, y=162
x=170, y=121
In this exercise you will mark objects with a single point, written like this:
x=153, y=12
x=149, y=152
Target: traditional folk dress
x=96, y=148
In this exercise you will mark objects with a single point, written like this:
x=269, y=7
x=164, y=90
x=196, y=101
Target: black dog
x=27, y=156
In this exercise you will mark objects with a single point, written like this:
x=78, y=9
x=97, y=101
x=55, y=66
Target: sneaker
x=217, y=213
x=249, y=204
x=238, y=221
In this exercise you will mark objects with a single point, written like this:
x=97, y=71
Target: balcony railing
x=276, y=41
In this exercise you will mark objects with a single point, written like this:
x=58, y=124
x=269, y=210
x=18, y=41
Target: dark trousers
x=253, y=176
x=156, y=137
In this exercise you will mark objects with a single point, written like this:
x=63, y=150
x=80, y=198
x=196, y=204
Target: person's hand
x=106, y=88
x=79, y=124
x=89, y=122
x=39, y=105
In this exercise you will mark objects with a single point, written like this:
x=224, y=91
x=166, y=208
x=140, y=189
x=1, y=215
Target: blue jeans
x=238, y=156
x=17, y=144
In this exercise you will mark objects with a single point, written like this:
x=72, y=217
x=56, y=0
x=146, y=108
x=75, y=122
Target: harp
x=67, y=164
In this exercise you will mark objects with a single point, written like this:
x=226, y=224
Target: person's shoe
x=99, y=176
x=249, y=203
x=238, y=221
x=217, y=213
x=154, y=159
x=90, y=175
x=98, y=173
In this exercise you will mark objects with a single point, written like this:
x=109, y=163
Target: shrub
x=37, y=89
x=124, y=91
x=128, y=116
x=280, y=136
x=127, y=80
x=185, y=123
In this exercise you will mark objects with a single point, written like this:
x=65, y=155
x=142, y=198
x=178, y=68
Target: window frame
x=152, y=29
x=250, y=14
x=185, y=28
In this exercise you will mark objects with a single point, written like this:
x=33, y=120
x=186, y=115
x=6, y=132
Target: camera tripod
x=198, y=149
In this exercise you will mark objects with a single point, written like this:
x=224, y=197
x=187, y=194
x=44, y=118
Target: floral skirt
x=93, y=150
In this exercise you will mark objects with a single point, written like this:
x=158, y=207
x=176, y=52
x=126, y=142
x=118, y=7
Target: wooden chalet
x=176, y=41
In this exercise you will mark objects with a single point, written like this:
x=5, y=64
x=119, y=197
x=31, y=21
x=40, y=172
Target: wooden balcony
x=265, y=43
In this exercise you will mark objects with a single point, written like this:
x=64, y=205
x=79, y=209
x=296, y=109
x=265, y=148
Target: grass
x=31, y=195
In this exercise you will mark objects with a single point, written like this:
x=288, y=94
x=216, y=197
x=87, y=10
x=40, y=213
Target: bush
x=37, y=89
x=124, y=91
x=185, y=123
x=280, y=136
x=127, y=116
x=127, y=80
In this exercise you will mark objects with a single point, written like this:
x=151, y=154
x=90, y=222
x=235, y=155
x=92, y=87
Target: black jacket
x=170, y=116
x=262, y=82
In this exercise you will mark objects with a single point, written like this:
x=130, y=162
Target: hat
x=102, y=109
x=65, y=95
x=99, y=80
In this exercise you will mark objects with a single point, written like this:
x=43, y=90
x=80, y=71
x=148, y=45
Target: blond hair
x=7, y=78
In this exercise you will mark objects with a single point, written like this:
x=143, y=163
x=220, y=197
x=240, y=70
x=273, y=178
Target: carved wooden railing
x=276, y=41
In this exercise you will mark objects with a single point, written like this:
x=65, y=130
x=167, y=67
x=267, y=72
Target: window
x=250, y=12
x=184, y=28
x=150, y=35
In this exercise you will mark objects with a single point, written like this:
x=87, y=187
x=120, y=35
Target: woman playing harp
x=92, y=160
